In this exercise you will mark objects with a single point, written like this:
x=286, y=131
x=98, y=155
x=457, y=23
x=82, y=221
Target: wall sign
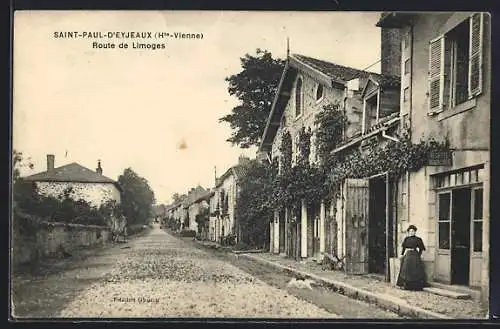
x=439, y=158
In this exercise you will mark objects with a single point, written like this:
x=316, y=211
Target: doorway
x=460, y=236
x=377, y=235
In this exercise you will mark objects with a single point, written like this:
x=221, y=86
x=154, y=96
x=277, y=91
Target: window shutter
x=436, y=68
x=475, y=54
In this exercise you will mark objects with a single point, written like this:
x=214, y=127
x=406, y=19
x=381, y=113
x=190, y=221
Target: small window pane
x=453, y=180
x=319, y=92
x=478, y=204
x=447, y=180
x=478, y=236
x=460, y=178
x=444, y=235
x=480, y=175
x=467, y=177
x=407, y=66
x=444, y=206
x=439, y=181
x=406, y=94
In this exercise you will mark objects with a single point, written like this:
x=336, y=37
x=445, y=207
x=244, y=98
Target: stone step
x=447, y=293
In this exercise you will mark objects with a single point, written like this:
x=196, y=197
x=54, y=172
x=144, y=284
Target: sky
x=135, y=107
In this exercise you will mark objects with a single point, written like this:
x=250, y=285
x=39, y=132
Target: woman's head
x=412, y=229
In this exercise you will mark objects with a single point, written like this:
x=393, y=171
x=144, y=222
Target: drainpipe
x=389, y=137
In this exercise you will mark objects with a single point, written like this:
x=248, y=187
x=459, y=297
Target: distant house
x=91, y=186
x=200, y=207
x=223, y=202
x=189, y=208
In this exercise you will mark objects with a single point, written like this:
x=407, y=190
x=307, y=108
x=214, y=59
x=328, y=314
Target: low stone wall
x=49, y=239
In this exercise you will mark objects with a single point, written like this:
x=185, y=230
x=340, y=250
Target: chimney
x=50, y=161
x=390, y=63
x=99, y=168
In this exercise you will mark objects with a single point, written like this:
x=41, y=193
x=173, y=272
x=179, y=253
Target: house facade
x=223, y=202
x=198, y=206
x=306, y=86
x=445, y=95
x=91, y=186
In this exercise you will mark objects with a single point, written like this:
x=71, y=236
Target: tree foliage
x=18, y=162
x=331, y=122
x=255, y=87
x=137, y=197
x=252, y=206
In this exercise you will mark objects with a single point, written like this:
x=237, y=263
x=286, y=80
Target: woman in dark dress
x=412, y=273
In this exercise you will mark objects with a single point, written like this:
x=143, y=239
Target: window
x=298, y=97
x=319, y=92
x=407, y=66
x=455, y=65
x=371, y=114
x=406, y=41
x=406, y=94
x=477, y=220
x=444, y=206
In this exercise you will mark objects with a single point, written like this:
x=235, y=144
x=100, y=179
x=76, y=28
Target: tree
x=252, y=206
x=25, y=193
x=137, y=197
x=18, y=162
x=255, y=87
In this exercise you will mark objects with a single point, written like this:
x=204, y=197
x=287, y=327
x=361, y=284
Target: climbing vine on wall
x=315, y=182
x=393, y=157
x=331, y=123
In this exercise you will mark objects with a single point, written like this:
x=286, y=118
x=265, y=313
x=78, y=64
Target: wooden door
x=356, y=225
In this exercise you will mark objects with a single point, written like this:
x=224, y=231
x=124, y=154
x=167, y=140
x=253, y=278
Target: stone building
x=91, y=186
x=445, y=95
x=307, y=85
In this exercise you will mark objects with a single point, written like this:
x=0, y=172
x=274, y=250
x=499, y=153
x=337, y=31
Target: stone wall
x=94, y=193
x=44, y=239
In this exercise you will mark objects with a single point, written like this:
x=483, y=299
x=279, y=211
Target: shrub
x=241, y=246
x=188, y=233
x=228, y=240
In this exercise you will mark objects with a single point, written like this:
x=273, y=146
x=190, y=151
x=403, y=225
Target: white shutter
x=475, y=54
x=436, y=73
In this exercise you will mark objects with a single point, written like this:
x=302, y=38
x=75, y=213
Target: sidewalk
x=419, y=304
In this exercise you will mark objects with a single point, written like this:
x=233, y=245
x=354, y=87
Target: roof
x=237, y=171
x=383, y=81
x=72, y=172
x=394, y=20
x=336, y=72
x=383, y=124
x=204, y=197
x=331, y=74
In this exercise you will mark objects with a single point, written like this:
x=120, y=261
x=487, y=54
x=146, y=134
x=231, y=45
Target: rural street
x=164, y=276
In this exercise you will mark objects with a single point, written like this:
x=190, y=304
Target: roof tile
x=72, y=172
x=334, y=71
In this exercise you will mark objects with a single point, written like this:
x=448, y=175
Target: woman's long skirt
x=412, y=272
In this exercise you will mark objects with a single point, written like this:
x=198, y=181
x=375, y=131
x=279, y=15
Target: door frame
x=475, y=256
x=444, y=255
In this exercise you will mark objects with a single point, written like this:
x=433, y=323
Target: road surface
x=163, y=276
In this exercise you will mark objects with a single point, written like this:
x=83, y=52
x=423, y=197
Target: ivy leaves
x=313, y=183
x=393, y=157
x=331, y=122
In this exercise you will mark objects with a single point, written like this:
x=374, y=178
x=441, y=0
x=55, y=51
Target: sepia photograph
x=250, y=165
